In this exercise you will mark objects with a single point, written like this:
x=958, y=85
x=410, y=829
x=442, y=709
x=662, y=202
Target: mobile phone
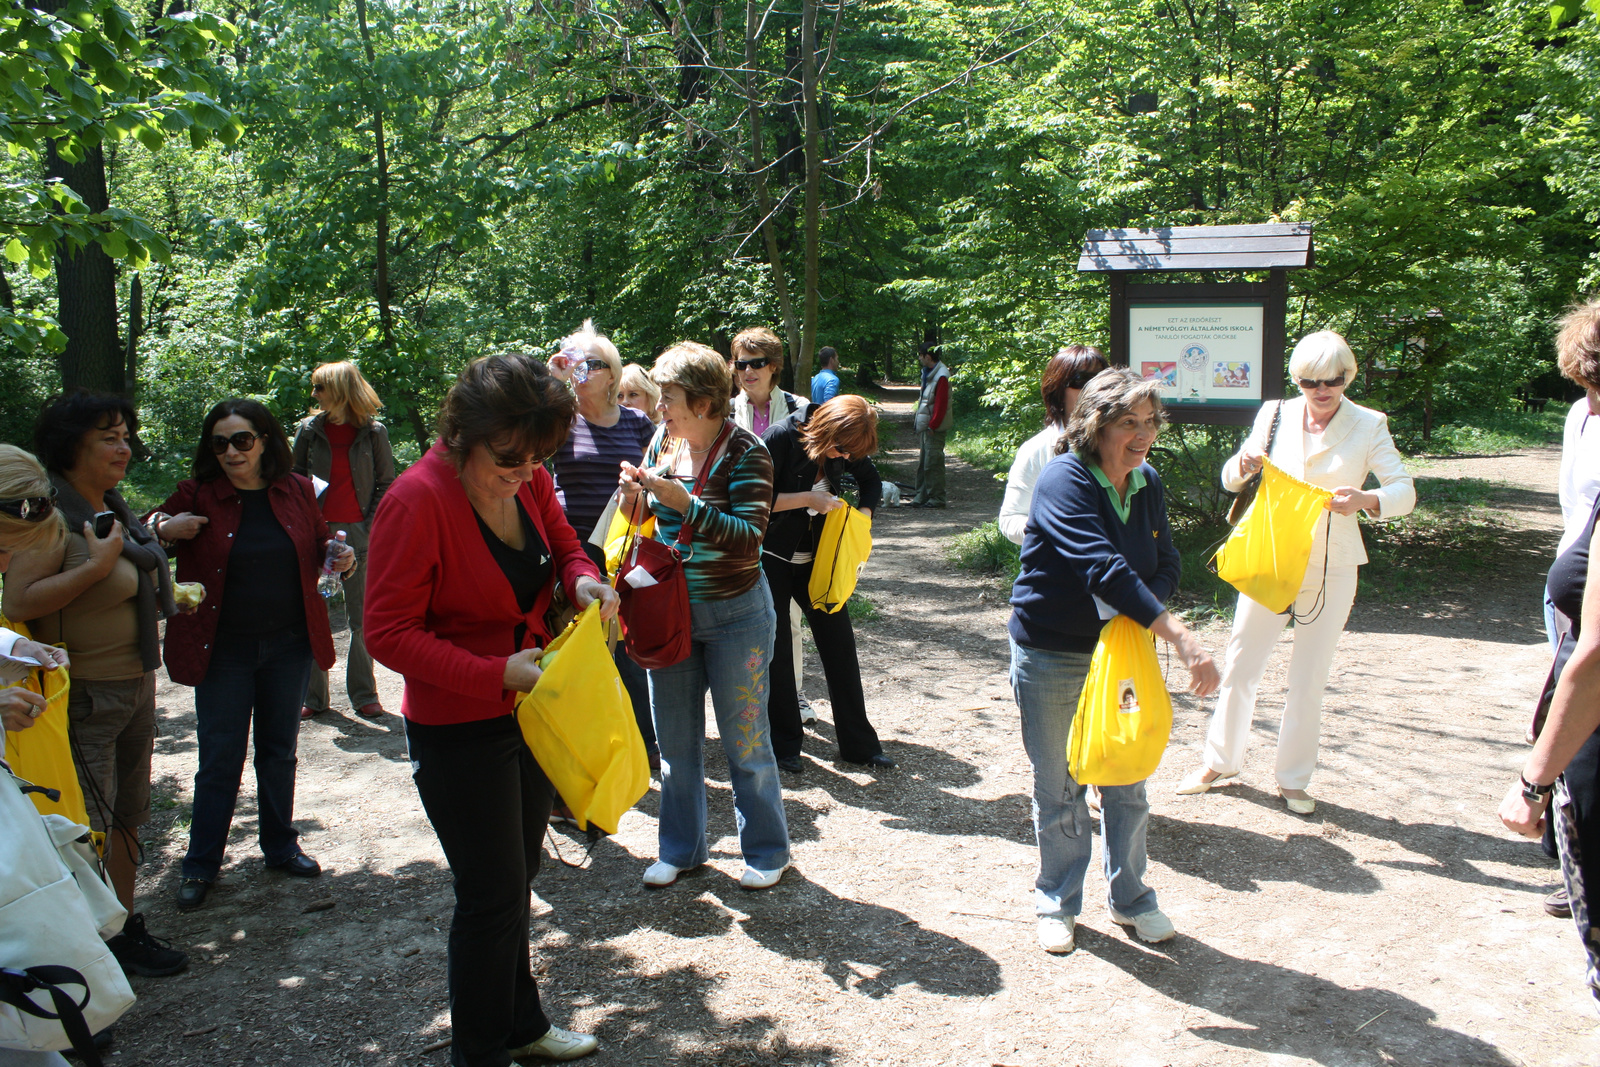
x=103, y=522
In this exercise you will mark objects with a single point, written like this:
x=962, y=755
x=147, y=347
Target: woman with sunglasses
x=466, y=549
x=604, y=436
x=102, y=598
x=345, y=446
x=811, y=451
x=759, y=405
x=29, y=519
x=1068, y=371
x=1325, y=439
x=248, y=529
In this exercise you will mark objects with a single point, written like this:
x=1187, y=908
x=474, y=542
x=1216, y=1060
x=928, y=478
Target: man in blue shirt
x=825, y=383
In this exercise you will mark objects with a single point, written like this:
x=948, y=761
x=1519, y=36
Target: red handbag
x=655, y=618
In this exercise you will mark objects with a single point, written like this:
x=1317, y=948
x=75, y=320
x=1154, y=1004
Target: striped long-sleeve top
x=728, y=517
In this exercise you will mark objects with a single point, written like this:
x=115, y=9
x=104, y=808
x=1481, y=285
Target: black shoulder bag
x=1247, y=495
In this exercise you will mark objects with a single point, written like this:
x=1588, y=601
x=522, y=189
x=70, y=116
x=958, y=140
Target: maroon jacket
x=204, y=559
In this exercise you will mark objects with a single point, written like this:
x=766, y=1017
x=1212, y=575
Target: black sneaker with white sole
x=144, y=954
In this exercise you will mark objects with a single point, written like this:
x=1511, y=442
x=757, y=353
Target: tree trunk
x=813, y=208
x=130, y=362
x=758, y=167
x=86, y=287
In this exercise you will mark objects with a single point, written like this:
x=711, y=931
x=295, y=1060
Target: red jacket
x=439, y=608
x=204, y=559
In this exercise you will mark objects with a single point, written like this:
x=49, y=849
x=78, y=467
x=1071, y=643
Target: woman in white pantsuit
x=1329, y=441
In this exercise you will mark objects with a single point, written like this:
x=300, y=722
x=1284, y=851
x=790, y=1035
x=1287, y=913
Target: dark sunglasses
x=1309, y=384
x=30, y=508
x=317, y=387
x=596, y=364
x=1081, y=379
x=752, y=364
x=507, y=461
x=244, y=441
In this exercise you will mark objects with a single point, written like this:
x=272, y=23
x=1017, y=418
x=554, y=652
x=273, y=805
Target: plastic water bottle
x=328, y=583
x=574, y=357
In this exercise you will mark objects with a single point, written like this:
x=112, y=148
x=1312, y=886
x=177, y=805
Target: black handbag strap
x=685, y=531
x=16, y=985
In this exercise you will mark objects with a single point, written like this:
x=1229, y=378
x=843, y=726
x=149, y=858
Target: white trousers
x=795, y=619
x=1255, y=631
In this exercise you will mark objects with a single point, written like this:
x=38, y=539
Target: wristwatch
x=1536, y=793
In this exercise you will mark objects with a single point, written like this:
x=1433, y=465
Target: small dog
x=891, y=495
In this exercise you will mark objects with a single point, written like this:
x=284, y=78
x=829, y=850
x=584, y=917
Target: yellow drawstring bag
x=1266, y=556
x=617, y=536
x=42, y=754
x=578, y=722
x=1124, y=714
x=842, y=550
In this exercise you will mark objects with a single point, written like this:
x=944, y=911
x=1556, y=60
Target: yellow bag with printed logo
x=617, y=536
x=1266, y=556
x=1124, y=715
x=842, y=550
x=578, y=723
x=42, y=754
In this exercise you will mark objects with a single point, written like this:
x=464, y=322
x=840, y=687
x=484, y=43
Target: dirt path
x=1399, y=924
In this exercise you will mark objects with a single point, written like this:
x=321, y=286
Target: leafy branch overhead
x=74, y=76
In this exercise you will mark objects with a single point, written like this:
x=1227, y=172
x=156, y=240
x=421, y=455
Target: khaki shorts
x=113, y=733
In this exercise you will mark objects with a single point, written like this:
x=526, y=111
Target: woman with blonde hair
x=639, y=392
x=704, y=472
x=1323, y=438
x=811, y=452
x=345, y=450
x=28, y=520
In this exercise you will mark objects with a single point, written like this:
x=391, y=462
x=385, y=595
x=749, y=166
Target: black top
x=262, y=591
x=1570, y=574
x=528, y=571
x=793, y=471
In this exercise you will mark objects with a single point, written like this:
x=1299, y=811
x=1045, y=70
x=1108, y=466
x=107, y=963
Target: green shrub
x=985, y=550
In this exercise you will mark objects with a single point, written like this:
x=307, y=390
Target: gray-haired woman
x=1097, y=545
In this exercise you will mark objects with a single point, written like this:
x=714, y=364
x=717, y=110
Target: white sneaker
x=808, y=714
x=1152, y=926
x=558, y=1044
x=1056, y=933
x=661, y=874
x=757, y=879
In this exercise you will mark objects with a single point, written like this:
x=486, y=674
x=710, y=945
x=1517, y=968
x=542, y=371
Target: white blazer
x=1356, y=442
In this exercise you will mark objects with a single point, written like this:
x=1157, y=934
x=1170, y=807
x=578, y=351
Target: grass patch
x=1488, y=433
x=985, y=550
x=861, y=608
x=987, y=440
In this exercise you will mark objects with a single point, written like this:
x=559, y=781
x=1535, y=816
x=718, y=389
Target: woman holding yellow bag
x=811, y=451
x=28, y=519
x=1324, y=439
x=1097, y=545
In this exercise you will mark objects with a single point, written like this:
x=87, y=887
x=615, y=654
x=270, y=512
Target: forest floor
x=1399, y=924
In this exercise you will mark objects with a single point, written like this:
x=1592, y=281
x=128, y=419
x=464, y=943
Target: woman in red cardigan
x=465, y=551
x=250, y=531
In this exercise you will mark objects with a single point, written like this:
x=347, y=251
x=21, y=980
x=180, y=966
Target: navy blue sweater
x=1076, y=548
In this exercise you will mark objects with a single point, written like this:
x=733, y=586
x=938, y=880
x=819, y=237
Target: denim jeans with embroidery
x=730, y=654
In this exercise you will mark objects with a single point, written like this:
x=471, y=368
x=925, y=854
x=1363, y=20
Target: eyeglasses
x=1081, y=379
x=1309, y=384
x=317, y=387
x=244, y=441
x=752, y=364
x=593, y=365
x=507, y=461
x=30, y=508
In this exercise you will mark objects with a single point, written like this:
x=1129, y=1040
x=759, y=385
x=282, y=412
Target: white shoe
x=1152, y=926
x=808, y=714
x=1056, y=933
x=757, y=879
x=1092, y=799
x=558, y=1044
x=1302, y=805
x=661, y=874
x=1195, y=782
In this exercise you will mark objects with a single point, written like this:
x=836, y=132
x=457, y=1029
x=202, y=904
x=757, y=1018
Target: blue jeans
x=1046, y=686
x=730, y=654
x=267, y=675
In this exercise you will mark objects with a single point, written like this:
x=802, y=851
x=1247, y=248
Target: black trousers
x=836, y=648
x=489, y=803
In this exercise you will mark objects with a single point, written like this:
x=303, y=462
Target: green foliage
x=85, y=75
x=985, y=550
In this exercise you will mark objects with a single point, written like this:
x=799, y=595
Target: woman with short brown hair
x=466, y=550
x=1068, y=371
x=812, y=450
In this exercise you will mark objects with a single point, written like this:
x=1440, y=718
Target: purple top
x=586, y=464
